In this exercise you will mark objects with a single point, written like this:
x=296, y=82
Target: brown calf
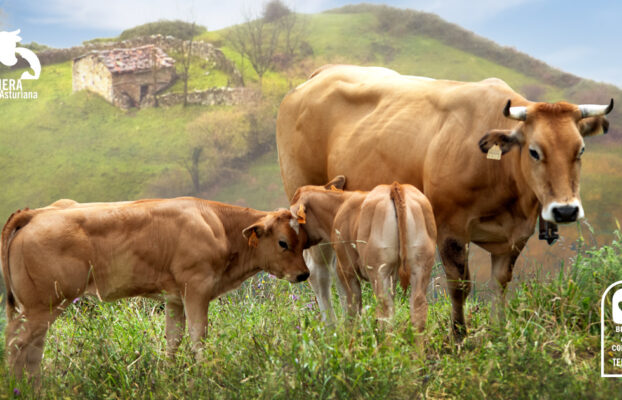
x=187, y=249
x=377, y=236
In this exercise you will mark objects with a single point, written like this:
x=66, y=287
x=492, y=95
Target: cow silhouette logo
x=616, y=310
x=8, y=49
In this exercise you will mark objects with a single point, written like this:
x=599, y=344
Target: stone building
x=125, y=77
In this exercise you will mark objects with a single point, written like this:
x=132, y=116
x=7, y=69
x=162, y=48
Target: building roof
x=137, y=59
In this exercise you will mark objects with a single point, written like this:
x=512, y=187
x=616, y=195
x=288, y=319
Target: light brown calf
x=377, y=236
x=186, y=249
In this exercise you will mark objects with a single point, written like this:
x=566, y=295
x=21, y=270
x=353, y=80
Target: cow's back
x=376, y=126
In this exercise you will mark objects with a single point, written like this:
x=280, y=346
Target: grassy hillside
x=77, y=145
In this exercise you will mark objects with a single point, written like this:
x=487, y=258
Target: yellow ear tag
x=494, y=153
x=334, y=189
x=253, y=241
x=302, y=216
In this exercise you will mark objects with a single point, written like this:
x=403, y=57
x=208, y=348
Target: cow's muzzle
x=565, y=214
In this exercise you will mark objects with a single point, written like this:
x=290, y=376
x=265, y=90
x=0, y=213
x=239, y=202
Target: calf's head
x=310, y=202
x=277, y=243
x=550, y=139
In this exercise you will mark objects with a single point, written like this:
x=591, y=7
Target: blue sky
x=582, y=38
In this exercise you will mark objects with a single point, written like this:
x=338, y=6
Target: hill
x=77, y=145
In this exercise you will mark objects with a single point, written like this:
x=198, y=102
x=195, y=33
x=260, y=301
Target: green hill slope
x=77, y=145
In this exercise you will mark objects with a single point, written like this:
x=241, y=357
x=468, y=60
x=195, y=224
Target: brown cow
x=376, y=126
x=188, y=250
x=377, y=236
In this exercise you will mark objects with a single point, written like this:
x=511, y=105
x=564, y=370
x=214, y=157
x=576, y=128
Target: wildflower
x=310, y=305
x=77, y=299
x=298, y=327
x=293, y=297
x=16, y=392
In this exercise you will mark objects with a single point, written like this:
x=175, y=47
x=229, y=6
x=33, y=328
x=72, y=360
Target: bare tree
x=257, y=40
x=186, y=58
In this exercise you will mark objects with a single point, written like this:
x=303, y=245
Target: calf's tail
x=397, y=196
x=16, y=221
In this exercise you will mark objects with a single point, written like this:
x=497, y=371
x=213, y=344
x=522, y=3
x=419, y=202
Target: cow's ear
x=593, y=126
x=253, y=233
x=504, y=138
x=338, y=182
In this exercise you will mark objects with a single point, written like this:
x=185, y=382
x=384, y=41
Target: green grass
x=266, y=341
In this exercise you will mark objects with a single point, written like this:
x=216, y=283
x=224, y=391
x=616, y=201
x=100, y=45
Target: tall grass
x=266, y=341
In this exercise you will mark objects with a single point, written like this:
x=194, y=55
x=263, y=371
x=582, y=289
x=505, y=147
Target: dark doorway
x=144, y=90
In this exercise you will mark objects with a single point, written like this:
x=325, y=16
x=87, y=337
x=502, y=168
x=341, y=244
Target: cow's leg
x=25, y=339
x=318, y=259
x=175, y=325
x=196, y=307
x=502, y=266
x=454, y=254
x=421, y=266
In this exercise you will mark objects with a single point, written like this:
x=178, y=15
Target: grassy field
x=266, y=341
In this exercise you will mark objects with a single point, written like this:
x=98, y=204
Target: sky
x=582, y=38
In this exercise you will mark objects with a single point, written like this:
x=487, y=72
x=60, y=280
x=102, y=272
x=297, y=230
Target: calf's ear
x=504, y=138
x=338, y=182
x=298, y=211
x=253, y=233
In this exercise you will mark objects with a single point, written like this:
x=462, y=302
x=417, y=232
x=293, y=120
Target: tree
x=257, y=40
x=216, y=138
x=185, y=53
x=274, y=10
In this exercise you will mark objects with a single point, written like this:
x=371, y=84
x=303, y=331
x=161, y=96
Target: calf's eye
x=534, y=154
x=283, y=244
x=580, y=152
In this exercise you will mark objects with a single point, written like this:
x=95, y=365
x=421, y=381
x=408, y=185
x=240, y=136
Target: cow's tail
x=16, y=221
x=397, y=196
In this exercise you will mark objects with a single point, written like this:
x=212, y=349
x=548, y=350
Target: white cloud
x=123, y=14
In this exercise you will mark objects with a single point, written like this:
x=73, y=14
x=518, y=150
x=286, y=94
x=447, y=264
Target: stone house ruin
x=125, y=77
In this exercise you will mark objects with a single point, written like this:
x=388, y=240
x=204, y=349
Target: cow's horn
x=595, y=110
x=517, y=113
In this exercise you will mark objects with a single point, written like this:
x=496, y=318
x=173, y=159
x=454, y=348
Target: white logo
x=616, y=312
x=611, y=332
x=8, y=48
x=12, y=88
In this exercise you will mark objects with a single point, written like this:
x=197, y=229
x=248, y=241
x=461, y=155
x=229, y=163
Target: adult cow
x=187, y=250
x=376, y=126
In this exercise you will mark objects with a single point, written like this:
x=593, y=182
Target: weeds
x=266, y=340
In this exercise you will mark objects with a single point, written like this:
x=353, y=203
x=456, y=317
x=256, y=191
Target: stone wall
x=130, y=85
x=215, y=96
x=167, y=43
x=90, y=74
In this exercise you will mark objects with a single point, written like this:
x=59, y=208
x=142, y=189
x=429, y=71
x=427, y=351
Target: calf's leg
x=175, y=325
x=25, y=340
x=421, y=265
x=196, y=307
x=318, y=259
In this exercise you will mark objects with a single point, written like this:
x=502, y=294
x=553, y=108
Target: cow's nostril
x=302, y=277
x=565, y=213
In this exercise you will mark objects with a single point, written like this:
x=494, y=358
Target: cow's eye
x=580, y=153
x=283, y=244
x=534, y=154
